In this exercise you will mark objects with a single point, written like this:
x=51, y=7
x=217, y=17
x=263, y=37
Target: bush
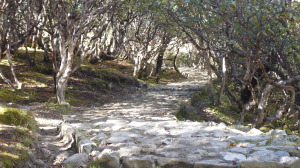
x=11, y=116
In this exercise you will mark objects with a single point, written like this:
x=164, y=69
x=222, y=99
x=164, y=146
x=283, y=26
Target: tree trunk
x=263, y=104
x=159, y=64
x=174, y=62
x=19, y=84
x=224, y=79
x=65, y=70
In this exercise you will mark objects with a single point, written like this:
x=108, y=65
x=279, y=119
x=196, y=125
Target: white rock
x=278, y=133
x=75, y=160
x=129, y=151
x=255, y=131
x=229, y=156
x=86, y=146
x=94, y=153
x=244, y=151
x=245, y=145
x=222, y=125
x=288, y=160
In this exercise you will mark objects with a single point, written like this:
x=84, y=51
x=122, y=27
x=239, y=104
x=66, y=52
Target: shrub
x=11, y=116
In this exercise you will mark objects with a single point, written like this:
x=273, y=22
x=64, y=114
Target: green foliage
x=9, y=96
x=44, y=68
x=181, y=113
x=11, y=116
x=96, y=164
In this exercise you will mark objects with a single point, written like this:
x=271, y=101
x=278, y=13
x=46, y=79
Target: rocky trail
x=143, y=133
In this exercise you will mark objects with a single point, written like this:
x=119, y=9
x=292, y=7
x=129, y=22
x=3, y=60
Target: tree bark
x=19, y=84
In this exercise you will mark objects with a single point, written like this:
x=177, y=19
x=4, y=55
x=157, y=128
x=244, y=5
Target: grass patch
x=60, y=109
x=200, y=108
x=167, y=76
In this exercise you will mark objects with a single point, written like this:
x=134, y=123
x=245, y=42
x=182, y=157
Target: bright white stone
x=229, y=156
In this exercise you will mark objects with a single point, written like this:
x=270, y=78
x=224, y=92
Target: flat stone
x=75, y=160
x=229, y=156
x=214, y=163
x=249, y=138
x=281, y=142
x=257, y=164
x=99, y=137
x=264, y=156
x=244, y=151
x=129, y=151
x=132, y=162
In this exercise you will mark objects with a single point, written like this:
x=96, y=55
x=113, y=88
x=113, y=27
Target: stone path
x=143, y=133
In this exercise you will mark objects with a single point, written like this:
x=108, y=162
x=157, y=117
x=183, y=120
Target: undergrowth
x=17, y=136
x=12, y=116
x=200, y=108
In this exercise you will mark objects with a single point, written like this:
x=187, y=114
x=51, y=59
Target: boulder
x=75, y=160
x=131, y=162
x=108, y=160
x=229, y=156
x=86, y=146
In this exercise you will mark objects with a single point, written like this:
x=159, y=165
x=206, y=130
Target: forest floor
x=106, y=102
x=92, y=85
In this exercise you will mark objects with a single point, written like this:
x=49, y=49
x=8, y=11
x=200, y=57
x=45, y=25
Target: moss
x=61, y=109
x=11, y=116
x=9, y=159
x=44, y=68
x=97, y=164
x=207, y=110
x=187, y=112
